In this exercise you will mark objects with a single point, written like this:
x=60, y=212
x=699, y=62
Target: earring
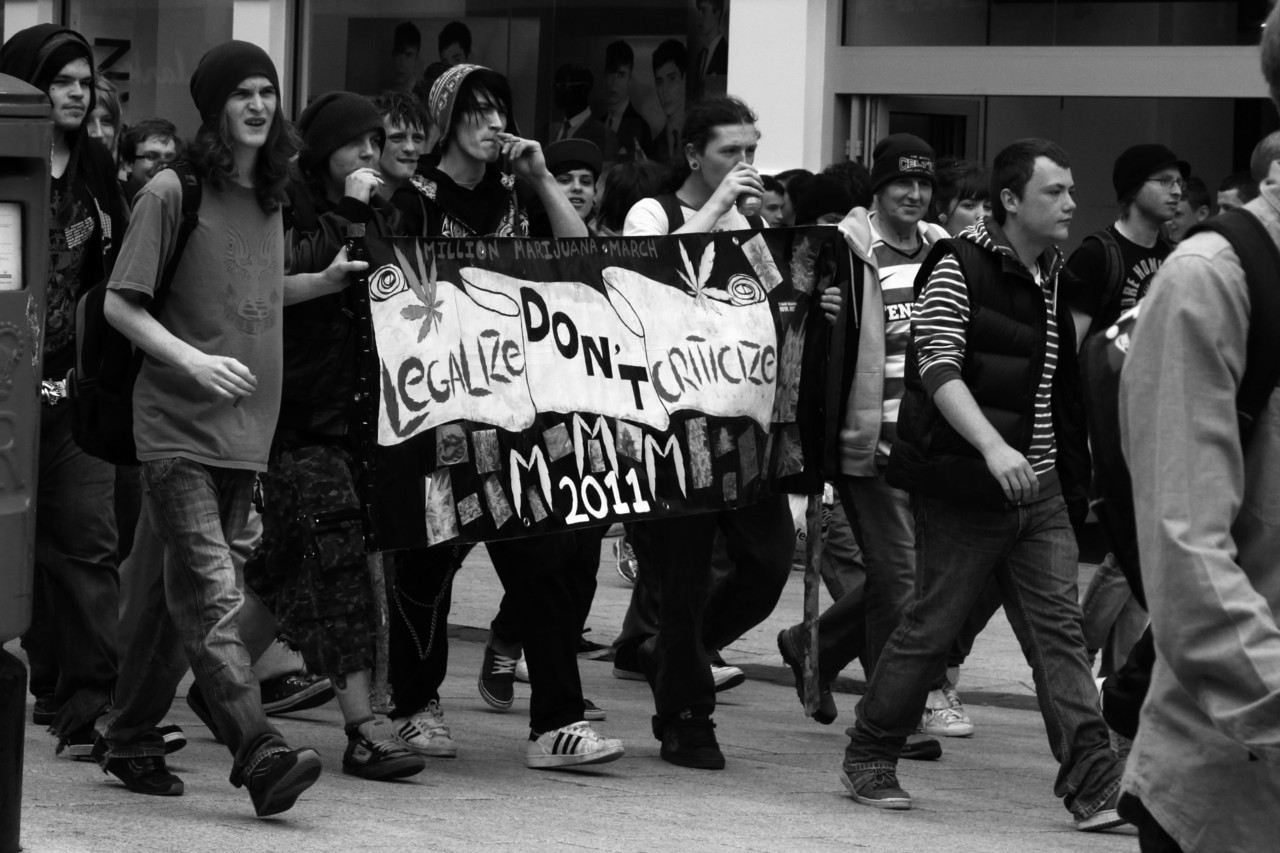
x=693, y=164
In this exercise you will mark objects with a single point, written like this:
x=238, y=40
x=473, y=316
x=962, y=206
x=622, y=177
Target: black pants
x=580, y=579
x=420, y=598
x=759, y=540
x=1151, y=836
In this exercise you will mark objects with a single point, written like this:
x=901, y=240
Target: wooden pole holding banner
x=812, y=562
x=380, y=693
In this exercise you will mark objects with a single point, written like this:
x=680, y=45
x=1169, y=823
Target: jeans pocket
x=157, y=470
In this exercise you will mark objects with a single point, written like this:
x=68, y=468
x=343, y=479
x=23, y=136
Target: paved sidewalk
x=780, y=791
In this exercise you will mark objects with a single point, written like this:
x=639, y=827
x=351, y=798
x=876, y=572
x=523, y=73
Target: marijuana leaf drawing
x=697, y=281
x=424, y=288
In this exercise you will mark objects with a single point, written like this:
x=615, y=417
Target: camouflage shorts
x=310, y=566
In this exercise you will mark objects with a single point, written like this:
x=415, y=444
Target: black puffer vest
x=1004, y=357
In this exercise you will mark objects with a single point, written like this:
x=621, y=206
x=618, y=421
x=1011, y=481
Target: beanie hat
x=569, y=154
x=1140, y=162
x=900, y=155
x=816, y=196
x=222, y=69
x=330, y=122
x=444, y=92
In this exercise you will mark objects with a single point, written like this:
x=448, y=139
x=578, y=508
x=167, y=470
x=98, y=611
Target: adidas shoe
x=571, y=746
x=425, y=733
x=374, y=752
x=497, y=679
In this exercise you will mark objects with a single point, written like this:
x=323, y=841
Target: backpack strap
x=671, y=207
x=1113, y=264
x=192, y=191
x=1260, y=260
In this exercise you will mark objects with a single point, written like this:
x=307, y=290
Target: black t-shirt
x=443, y=208
x=1085, y=285
x=74, y=237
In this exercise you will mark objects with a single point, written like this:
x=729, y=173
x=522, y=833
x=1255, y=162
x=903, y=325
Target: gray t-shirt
x=226, y=299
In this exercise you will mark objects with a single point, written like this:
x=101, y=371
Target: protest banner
x=516, y=387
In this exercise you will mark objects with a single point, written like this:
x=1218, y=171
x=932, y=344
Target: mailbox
x=26, y=135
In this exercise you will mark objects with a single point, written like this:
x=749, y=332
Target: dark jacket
x=1005, y=347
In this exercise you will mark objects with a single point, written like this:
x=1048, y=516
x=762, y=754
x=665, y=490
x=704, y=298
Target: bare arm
x=220, y=375
x=1010, y=468
x=527, y=161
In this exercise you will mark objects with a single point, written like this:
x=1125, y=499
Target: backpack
x=1101, y=360
x=100, y=386
x=1113, y=260
x=675, y=213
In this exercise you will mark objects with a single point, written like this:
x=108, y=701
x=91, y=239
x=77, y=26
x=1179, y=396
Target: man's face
x=579, y=186
x=1182, y=221
x=249, y=112
x=1044, y=212
x=1158, y=197
x=401, y=151
x=708, y=21
x=153, y=154
x=618, y=85
x=69, y=93
x=1228, y=199
x=360, y=153
x=453, y=54
x=102, y=126
x=669, y=82
x=771, y=208
x=905, y=201
x=406, y=63
x=475, y=133
x=729, y=145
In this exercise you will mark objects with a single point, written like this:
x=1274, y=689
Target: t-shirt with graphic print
x=1085, y=285
x=897, y=271
x=71, y=236
x=226, y=299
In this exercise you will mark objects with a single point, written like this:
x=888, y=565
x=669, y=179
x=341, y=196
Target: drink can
x=748, y=204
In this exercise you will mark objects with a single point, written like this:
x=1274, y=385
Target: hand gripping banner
x=517, y=387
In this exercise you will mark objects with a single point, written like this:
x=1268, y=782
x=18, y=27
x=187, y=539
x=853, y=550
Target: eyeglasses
x=1168, y=183
x=155, y=157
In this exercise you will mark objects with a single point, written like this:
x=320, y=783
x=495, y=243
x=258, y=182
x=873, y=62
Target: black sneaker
x=497, y=679
x=591, y=712
x=44, y=711
x=145, y=775
x=296, y=691
x=626, y=664
x=379, y=759
x=276, y=781
x=876, y=787
x=793, y=657
x=173, y=736
x=78, y=745
x=921, y=747
x=587, y=650
x=690, y=741
x=195, y=701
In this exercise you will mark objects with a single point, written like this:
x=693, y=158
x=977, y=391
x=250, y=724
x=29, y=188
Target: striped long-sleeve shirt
x=939, y=327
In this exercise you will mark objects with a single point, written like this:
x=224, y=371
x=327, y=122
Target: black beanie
x=900, y=155
x=818, y=196
x=222, y=69
x=330, y=122
x=1140, y=162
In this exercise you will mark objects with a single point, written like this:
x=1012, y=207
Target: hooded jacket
x=1003, y=360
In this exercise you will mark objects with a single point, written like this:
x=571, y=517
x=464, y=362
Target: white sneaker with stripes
x=571, y=746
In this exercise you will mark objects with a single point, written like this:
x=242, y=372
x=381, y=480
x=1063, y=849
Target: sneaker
x=587, y=650
x=571, y=746
x=690, y=741
x=278, y=779
x=173, y=737
x=145, y=775
x=497, y=679
x=78, y=745
x=626, y=663
x=592, y=713
x=948, y=721
x=625, y=560
x=296, y=691
x=726, y=677
x=876, y=787
x=379, y=755
x=44, y=711
x=425, y=733
x=522, y=670
x=1105, y=817
x=794, y=658
x=921, y=747
x=195, y=701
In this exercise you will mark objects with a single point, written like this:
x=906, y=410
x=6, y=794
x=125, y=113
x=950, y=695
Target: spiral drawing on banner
x=745, y=290
x=385, y=282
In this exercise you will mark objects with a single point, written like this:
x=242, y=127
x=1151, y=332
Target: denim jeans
x=843, y=569
x=1113, y=620
x=198, y=511
x=75, y=564
x=1032, y=552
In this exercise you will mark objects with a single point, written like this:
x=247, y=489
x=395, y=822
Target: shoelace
x=431, y=721
x=884, y=779
x=950, y=715
x=503, y=665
